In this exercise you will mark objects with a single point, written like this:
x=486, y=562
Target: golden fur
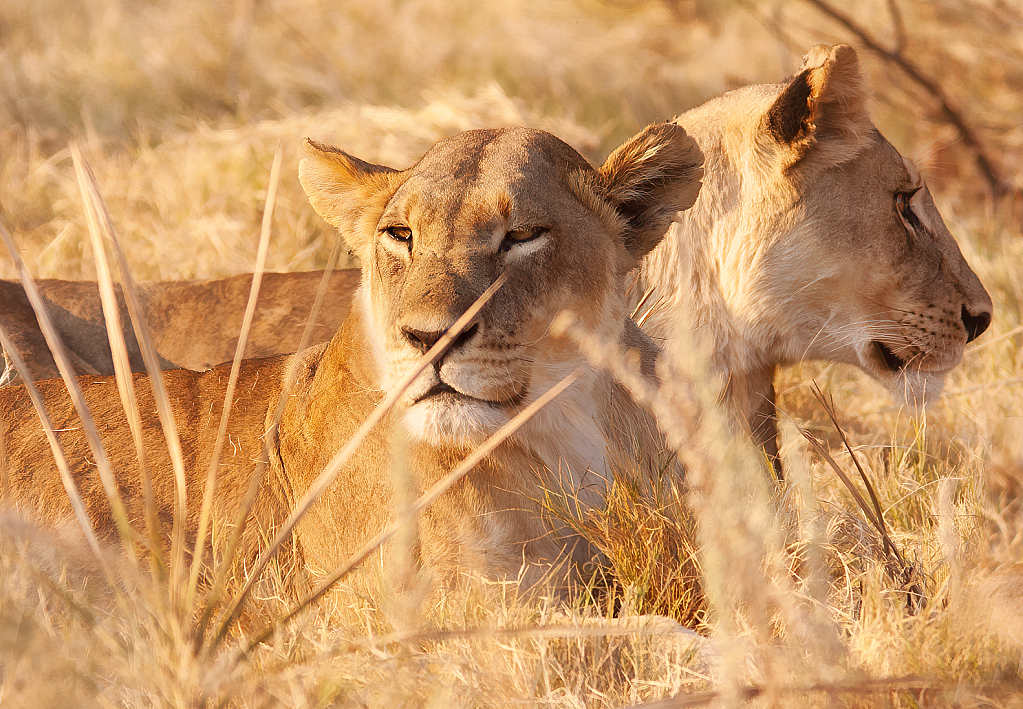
x=194, y=324
x=431, y=239
x=812, y=238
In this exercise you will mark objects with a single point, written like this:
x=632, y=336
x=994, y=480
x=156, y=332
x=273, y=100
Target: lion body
x=485, y=202
x=194, y=324
x=794, y=251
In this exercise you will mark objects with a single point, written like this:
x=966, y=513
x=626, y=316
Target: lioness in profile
x=812, y=238
x=431, y=239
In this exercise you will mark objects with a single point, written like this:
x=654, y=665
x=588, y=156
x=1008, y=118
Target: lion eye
x=522, y=236
x=905, y=210
x=400, y=233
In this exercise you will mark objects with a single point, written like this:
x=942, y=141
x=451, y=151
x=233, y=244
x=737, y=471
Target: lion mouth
x=892, y=361
x=444, y=389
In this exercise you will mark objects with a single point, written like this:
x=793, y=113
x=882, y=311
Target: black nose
x=975, y=324
x=423, y=340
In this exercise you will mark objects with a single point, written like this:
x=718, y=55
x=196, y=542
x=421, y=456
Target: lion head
x=513, y=201
x=813, y=238
x=513, y=208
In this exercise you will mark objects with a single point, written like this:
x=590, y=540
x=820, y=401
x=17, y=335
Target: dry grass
x=179, y=106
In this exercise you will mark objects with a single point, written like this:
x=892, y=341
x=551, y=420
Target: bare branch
x=952, y=115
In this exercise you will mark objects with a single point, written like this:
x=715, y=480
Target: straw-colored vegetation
x=178, y=107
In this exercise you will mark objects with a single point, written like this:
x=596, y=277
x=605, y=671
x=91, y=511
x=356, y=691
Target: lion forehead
x=469, y=190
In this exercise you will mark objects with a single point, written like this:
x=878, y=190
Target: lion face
x=909, y=302
x=814, y=238
x=516, y=202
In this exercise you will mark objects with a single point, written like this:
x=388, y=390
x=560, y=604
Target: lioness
x=431, y=239
x=812, y=238
x=194, y=324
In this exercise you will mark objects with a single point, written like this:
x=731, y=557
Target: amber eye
x=400, y=233
x=902, y=202
x=521, y=236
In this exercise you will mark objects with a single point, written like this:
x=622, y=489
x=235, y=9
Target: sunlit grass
x=178, y=108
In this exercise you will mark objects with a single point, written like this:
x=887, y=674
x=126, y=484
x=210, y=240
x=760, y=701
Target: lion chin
x=453, y=420
x=915, y=388
x=908, y=385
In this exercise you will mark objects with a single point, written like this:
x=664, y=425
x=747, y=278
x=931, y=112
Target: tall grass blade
x=151, y=361
x=220, y=577
x=829, y=408
x=905, y=574
x=103, y=467
x=225, y=415
x=868, y=511
x=424, y=501
x=642, y=301
x=118, y=351
x=337, y=462
x=58, y=453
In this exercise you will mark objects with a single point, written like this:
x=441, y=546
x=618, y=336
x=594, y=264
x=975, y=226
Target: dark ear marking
x=649, y=180
x=791, y=116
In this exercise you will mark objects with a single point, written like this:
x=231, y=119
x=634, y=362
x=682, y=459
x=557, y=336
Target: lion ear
x=344, y=189
x=649, y=180
x=824, y=104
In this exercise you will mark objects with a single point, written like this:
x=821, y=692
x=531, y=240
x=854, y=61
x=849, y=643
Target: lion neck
x=713, y=258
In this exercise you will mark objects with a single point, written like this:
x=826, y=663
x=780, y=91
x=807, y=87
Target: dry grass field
x=178, y=107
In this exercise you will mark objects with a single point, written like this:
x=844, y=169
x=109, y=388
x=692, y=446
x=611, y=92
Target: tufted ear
x=824, y=105
x=343, y=190
x=649, y=180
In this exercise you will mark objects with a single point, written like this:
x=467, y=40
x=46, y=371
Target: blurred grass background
x=178, y=106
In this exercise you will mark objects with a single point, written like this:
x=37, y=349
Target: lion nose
x=975, y=324
x=423, y=340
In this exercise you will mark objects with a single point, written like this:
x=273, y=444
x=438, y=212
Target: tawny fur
x=483, y=203
x=796, y=249
x=194, y=324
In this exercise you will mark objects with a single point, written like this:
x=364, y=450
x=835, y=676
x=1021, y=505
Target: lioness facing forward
x=812, y=238
x=431, y=239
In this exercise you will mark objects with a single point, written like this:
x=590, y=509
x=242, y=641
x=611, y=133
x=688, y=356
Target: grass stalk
x=421, y=503
x=325, y=478
x=225, y=415
x=118, y=348
x=60, y=356
x=151, y=361
x=58, y=452
x=221, y=573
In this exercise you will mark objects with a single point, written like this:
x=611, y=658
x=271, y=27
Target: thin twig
x=988, y=169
